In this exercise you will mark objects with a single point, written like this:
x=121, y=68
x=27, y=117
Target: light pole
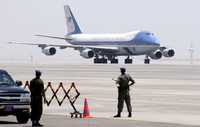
x=191, y=51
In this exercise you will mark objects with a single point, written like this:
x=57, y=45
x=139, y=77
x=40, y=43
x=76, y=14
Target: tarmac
x=164, y=95
x=63, y=121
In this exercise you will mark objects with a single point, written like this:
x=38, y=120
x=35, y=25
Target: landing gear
x=128, y=60
x=146, y=60
x=114, y=61
x=102, y=60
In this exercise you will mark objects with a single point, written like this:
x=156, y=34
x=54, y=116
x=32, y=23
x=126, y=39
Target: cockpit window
x=147, y=33
x=5, y=79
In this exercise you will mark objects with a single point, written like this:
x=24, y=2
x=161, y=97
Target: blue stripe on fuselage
x=101, y=43
x=142, y=38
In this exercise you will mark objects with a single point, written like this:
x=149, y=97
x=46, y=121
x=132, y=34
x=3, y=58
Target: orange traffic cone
x=86, y=112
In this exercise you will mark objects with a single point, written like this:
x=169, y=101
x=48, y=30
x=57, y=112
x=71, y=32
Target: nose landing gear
x=146, y=60
x=113, y=60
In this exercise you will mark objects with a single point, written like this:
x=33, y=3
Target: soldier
x=123, y=92
x=37, y=92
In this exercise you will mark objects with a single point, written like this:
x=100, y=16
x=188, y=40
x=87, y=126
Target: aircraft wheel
x=128, y=61
x=114, y=61
x=104, y=61
x=96, y=60
x=146, y=61
x=100, y=61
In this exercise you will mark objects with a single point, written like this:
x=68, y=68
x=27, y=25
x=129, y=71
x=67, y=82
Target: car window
x=5, y=79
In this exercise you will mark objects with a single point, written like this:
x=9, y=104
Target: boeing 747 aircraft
x=107, y=47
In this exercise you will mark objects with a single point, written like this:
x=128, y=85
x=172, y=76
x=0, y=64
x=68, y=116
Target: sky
x=175, y=22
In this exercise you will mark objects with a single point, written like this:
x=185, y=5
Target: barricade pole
x=72, y=100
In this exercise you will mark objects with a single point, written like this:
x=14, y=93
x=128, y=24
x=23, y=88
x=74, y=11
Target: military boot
x=38, y=124
x=129, y=114
x=34, y=123
x=118, y=115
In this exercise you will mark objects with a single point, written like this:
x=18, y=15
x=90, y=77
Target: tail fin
x=72, y=26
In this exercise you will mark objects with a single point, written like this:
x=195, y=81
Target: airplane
x=106, y=47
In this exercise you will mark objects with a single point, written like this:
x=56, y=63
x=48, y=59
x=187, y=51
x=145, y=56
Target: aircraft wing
x=98, y=47
x=67, y=38
x=63, y=46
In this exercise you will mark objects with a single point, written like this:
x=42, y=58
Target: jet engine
x=49, y=51
x=87, y=53
x=156, y=54
x=168, y=52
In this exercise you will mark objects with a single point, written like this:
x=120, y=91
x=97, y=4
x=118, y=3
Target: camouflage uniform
x=123, y=92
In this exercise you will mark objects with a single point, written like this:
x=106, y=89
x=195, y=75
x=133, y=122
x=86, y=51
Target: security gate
x=72, y=94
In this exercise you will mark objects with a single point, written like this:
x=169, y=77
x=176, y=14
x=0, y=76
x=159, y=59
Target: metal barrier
x=67, y=94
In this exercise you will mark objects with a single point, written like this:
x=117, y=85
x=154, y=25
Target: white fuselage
x=127, y=43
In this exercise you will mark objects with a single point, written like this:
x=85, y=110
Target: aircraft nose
x=152, y=39
x=155, y=40
x=146, y=38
